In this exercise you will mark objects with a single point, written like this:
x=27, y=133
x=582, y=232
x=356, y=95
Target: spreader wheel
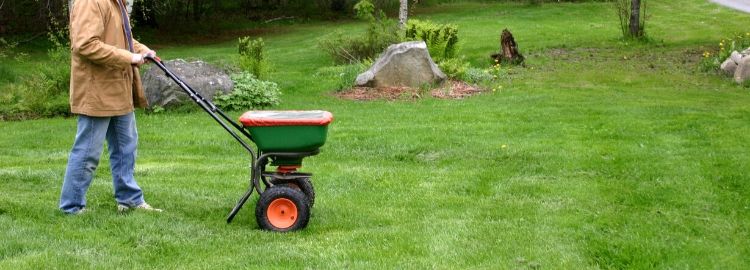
x=301, y=184
x=282, y=209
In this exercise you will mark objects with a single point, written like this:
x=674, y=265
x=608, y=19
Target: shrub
x=348, y=48
x=252, y=58
x=441, y=39
x=344, y=75
x=249, y=93
x=454, y=68
x=712, y=60
x=476, y=75
x=624, y=10
x=44, y=93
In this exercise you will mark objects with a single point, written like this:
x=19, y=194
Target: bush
x=712, y=60
x=249, y=93
x=476, y=75
x=344, y=75
x=349, y=48
x=441, y=39
x=454, y=68
x=44, y=93
x=624, y=12
x=252, y=58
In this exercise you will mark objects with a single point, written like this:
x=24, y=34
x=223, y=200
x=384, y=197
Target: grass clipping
x=449, y=90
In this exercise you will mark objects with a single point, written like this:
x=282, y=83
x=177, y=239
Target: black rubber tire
x=301, y=184
x=279, y=192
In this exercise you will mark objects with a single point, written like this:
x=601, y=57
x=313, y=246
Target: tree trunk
x=508, y=50
x=403, y=14
x=635, y=18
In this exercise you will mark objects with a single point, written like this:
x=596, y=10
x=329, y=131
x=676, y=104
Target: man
x=105, y=88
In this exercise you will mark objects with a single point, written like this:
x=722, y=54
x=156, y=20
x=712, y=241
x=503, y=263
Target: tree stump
x=508, y=50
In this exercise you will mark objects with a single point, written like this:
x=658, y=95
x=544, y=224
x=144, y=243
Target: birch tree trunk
x=403, y=13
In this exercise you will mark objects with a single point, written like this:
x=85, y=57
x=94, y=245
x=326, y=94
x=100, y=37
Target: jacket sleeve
x=86, y=29
x=139, y=47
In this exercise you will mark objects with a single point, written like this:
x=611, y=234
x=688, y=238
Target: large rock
x=205, y=79
x=735, y=56
x=729, y=66
x=403, y=64
x=742, y=74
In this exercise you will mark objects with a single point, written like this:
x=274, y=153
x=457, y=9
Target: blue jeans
x=122, y=138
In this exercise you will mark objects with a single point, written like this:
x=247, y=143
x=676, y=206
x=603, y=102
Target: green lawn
x=600, y=154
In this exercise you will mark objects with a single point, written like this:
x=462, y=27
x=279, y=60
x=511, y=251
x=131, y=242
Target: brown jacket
x=102, y=80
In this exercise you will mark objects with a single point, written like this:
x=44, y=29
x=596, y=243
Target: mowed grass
x=597, y=155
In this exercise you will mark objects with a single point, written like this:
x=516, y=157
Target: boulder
x=736, y=57
x=403, y=64
x=742, y=73
x=205, y=79
x=729, y=66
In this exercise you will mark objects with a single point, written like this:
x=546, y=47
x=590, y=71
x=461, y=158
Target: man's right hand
x=137, y=59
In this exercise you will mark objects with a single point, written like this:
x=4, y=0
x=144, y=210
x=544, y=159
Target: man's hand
x=150, y=53
x=137, y=59
x=140, y=59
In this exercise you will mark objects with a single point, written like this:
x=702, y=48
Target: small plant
x=348, y=76
x=344, y=75
x=632, y=17
x=454, y=68
x=381, y=33
x=441, y=39
x=365, y=10
x=712, y=60
x=476, y=75
x=44, y=93
x=249, y=93
x=252, y=58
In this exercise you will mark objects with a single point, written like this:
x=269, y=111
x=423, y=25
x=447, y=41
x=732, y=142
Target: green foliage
x=344, y=75
x=252, y=57
x=350, y=48
x=712, y=59
x=454, y=68
x=7, y=75
x=476, y=75
x=365, y=10
x=624, y=11
x=441, y=39
x=45, y=92
x=249, y=93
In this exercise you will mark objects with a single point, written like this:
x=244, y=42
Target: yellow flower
x=504, y=146
x=497, y=60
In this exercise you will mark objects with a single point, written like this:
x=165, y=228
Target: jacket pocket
x=111, y=95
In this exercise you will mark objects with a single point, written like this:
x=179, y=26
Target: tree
x=403, y=13
x=632, y=15
x=635, y=22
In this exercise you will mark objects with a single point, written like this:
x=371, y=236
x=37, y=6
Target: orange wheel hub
x=282, y=213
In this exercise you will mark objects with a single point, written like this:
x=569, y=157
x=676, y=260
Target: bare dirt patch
x=448, y=90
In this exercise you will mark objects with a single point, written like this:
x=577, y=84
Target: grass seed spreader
x=283, y=139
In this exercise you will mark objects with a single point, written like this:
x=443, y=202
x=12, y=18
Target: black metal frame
x=257, y=162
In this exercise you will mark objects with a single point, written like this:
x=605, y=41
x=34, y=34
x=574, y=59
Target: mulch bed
x=448, y=90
